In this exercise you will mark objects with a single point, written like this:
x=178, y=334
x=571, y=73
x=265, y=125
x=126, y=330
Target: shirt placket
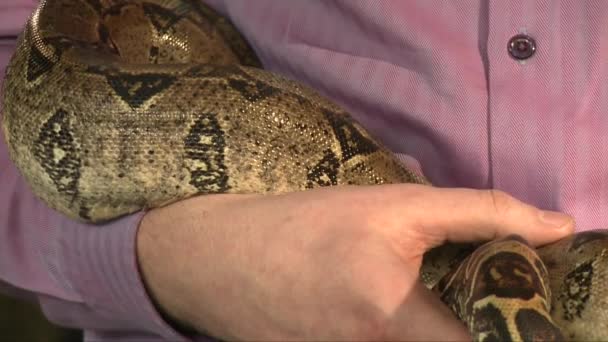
x=519, y=49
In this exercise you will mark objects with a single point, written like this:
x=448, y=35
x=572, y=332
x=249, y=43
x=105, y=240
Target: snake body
x=111, y=107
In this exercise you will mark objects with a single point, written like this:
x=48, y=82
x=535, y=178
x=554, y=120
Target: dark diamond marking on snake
x=352, y=142
x=57, y=153
x=163, y=18
x=253, y=91
x=507, y=275
x=37, y=64
x=532, y=326
x=204, y=147
x=491, y=323
x=586, y=237
x=576, y=290
x=325, y=172
x=136, y=89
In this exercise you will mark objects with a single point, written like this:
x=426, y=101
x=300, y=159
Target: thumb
x=467, y=215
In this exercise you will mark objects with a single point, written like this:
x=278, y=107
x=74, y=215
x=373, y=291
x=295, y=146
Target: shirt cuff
x=99, y=263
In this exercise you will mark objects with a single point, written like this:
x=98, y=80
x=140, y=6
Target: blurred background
x=22, y=321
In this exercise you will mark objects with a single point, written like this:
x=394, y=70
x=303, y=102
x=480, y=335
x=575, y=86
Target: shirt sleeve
x=83, y=276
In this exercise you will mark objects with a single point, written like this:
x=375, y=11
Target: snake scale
x=111, y=107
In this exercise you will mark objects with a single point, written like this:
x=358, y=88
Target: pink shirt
x=430, y=78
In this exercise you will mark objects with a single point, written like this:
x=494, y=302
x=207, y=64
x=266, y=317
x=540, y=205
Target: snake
x=117, y=106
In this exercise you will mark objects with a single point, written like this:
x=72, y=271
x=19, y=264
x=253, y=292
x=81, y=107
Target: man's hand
x=327, y=264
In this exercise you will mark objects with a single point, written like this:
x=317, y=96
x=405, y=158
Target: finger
x=465, y=215
x=423, y=317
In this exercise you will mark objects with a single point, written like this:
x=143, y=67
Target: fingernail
x=555, y=219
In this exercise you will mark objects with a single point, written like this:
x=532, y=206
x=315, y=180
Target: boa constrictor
x=111, y=106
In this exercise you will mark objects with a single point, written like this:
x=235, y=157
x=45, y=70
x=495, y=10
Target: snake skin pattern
x=114, y=106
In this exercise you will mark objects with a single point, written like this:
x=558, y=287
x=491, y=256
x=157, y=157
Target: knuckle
x=501, y=202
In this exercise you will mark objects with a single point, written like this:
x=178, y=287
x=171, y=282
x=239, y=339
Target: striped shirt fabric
x=431, y=79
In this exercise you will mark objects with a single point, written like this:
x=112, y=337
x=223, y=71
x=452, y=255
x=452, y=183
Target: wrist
x=177, y=251
x=152, y=259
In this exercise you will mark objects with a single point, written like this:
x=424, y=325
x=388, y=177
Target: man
x=507, y=95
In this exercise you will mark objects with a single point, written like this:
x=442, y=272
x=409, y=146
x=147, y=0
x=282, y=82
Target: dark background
x=23, y=321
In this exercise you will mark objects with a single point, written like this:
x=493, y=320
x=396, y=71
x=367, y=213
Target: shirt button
x=521, y=47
